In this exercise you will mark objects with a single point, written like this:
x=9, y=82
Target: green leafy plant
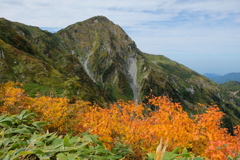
x=178, y=153
x=237, y=157
x=184, y=155
x=23, y=138
x=175, y=155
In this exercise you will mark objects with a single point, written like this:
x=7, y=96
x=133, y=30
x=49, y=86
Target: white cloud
x=45, y=12
x=158, y=26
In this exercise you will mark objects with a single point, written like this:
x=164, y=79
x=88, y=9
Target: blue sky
x=203, y=35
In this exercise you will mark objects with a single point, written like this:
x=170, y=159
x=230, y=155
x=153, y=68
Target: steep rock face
x=108, y=55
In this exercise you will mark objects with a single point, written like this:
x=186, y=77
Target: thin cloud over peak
x=199, y=27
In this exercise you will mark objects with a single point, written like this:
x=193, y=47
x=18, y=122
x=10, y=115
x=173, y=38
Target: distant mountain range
x=225, y=78
x=95, y=60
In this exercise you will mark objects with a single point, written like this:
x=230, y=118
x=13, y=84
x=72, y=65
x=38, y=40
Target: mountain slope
x=97, y=61
x=37, y=58
x=114, y=62
x=233, y=88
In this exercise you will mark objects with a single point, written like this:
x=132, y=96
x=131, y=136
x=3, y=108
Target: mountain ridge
x=60, y=64
x=96, y=60
x=234, y=76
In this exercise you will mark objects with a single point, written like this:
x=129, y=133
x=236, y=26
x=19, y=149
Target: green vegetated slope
x=233, y=86
x=97, y=61
x=37, y=59
x=233, y=90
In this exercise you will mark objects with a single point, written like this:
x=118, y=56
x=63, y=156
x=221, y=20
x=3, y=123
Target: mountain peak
x=100, y=29
x=98, y=19
x=102, y=18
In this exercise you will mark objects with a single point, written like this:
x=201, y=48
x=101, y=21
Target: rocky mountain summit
x=96, y=60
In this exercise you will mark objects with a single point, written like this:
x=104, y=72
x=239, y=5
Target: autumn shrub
x=132, y=124
x=11, y=98
x=126, y=122
x=61, y=114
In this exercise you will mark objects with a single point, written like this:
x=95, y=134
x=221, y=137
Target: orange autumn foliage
x=58, y=111
x=133, y=124
x=126, y=122
x=12, y=99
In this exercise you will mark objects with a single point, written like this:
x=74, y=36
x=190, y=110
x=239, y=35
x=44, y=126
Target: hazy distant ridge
x=225, y=78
